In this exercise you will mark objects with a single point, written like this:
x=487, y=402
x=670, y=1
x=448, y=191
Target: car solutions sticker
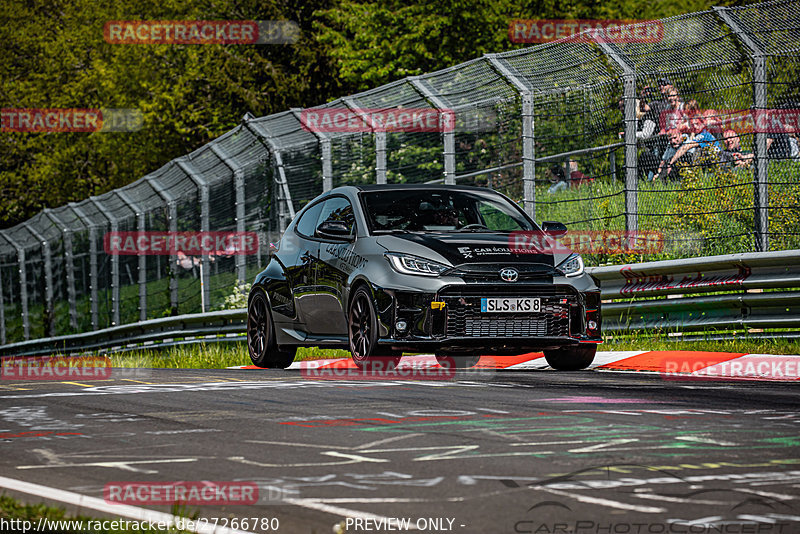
x=346, y=256
x=469, y=252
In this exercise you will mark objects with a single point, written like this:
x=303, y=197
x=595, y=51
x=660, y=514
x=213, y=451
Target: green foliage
x=238, y=297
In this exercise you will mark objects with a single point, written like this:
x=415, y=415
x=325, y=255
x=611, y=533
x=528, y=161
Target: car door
x=301, y=270
x=332, y=268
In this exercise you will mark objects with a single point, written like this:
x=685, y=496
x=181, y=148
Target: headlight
x=572, y=266
x=406, y=264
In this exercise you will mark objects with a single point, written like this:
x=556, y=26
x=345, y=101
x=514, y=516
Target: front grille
x=464, y=319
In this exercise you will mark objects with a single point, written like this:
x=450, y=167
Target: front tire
x=362, y=333
x=261, y=336
x=571, y=358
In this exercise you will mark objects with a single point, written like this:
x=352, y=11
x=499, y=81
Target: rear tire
x=571, y=358
x=261, y=345
x=362, y=333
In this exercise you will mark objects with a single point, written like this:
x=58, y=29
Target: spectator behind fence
x=673, y=115
x=713, y=123
x=576, y=177
x=733, y=156
x=556, y=176
x=699, y=137
x=779, y=144
x=676, y=141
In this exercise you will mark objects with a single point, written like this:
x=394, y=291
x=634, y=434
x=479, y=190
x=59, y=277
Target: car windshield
x=438, y=210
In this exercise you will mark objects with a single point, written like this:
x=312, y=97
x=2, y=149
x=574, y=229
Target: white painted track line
x=120, y=510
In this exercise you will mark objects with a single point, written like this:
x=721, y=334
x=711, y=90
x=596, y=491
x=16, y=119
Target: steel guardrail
x=637, y=297
x=731, y=292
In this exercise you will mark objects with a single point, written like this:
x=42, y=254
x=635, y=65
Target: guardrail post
x=285, y=206
x=114, y=261
x=23, y=288
x=449, y=134
x=528, y=130
x=238, y=183
x=202, y=188
x=631, y=157
x=66, y=236
x=172, y=216
x=49, y=315
x=142, y=265
x=761, y=186
x=92, y=261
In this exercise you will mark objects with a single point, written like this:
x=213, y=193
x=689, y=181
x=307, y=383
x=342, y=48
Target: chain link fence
x=577, y=130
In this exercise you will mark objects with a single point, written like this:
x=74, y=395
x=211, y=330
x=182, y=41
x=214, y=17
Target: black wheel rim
x=257, y=327
x=360, y=325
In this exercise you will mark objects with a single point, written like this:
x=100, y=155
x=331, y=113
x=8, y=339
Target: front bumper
x=450, y=320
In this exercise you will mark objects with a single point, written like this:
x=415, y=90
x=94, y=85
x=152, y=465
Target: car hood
x=466, y=248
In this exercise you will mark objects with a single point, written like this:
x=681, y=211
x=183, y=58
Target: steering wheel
x=473, y=225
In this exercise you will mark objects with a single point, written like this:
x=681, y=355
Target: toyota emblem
x=509, y=275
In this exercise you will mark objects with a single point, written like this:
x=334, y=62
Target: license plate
x=511, y=305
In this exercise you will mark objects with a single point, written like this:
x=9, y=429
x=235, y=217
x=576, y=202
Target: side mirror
x=553, y=228
x=334, y=230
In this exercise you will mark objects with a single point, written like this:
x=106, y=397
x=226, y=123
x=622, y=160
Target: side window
x=338, y=209
x=308, y=222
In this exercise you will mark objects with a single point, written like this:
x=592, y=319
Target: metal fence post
x=23, y=288
x=285, y=206
x=380, y=140
x=114, y=262
x=449, y=133
x=66, y=236
x=631, y=156
x=202, y=188
x=49, y=315
x=142, y=265
x=2, y=302
x=238, y=184
x=325, y=147
x=172, y=215
x=761, y=185
x=528, y=148
x=93, y=282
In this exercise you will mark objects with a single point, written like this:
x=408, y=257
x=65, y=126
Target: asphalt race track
x=533, y=451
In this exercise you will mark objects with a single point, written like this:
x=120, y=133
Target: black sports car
x=390, y=268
